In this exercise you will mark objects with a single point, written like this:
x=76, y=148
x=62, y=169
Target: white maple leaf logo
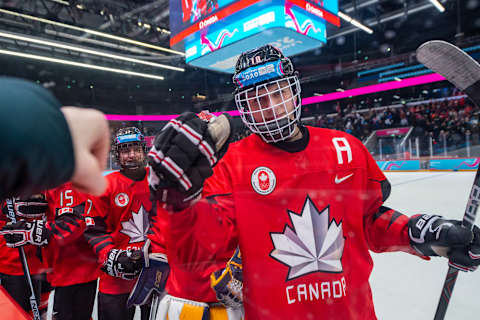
x=263, y=176
x=137, y=227
x=313, y=245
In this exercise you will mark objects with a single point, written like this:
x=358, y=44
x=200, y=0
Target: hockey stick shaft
x=154, y=306
x=23, y=259
x=464, y=72
x=468, y=222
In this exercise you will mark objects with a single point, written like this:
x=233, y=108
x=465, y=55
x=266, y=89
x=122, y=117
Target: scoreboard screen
x=189, y=16
x=213, y=32
x=191, y=11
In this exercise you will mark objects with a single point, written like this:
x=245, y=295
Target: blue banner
x=455, y=164
x=399, y=165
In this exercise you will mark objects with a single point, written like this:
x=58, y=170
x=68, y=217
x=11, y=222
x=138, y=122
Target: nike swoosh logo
x=340, y=180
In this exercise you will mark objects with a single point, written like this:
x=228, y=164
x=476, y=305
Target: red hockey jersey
x=10, y=260
x=305, y=222
x=68, y=256
x=192, y=284
x=119, y=219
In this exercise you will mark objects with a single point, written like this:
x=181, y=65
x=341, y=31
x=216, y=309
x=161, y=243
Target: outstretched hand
x=91, y=143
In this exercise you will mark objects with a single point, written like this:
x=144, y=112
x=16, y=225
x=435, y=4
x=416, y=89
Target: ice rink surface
x=405, y=286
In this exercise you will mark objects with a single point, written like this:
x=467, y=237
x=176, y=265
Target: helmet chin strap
x=266, y=129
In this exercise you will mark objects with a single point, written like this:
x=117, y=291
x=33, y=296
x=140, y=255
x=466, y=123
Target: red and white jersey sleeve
x=385, y=229
x=119, y=219
x=192, y=281
x=68, y=256
x=305, y=222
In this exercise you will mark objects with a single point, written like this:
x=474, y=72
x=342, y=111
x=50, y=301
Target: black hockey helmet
x=126, y=137
x=266, y=69
x=256, y=57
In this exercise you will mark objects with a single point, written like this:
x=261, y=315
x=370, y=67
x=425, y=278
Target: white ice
x=407, y=287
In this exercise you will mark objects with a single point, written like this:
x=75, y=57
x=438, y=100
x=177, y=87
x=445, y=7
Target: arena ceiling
x=399, y=27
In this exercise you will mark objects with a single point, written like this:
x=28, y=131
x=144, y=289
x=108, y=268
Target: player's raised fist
x=182, y=157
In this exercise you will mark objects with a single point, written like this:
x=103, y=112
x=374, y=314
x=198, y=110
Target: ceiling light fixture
x=61, y=2
x=354, y=22
x=97, y=33
x=438, y=5
x=78, y=64
x=85, y=50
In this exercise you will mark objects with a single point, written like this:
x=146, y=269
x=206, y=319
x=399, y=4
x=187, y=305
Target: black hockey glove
x=123, y=264
x=31, y=207
x=34, y=207
x=436, y=236
x=228, y=282
x=181, y=158
x=23, y=232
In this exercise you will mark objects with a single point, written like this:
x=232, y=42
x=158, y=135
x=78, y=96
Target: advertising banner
x=281, y=23
x=455, y=164
x=393, y=131
x=399, y=165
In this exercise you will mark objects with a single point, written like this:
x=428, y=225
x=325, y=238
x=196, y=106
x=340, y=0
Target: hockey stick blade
x=454, y=64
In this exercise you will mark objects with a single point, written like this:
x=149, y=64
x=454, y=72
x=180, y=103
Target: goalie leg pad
x=173, y=308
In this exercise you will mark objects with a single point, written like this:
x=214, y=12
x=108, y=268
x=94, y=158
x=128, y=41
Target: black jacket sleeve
x=37, y=150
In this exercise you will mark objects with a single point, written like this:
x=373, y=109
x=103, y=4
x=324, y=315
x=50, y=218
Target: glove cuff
x=422, y=233
x=109, y=265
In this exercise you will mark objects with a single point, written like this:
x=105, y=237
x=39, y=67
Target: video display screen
x=189, y=16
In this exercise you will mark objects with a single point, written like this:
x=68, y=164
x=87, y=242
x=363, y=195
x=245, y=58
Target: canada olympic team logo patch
x=263, y=180
x=121, y=199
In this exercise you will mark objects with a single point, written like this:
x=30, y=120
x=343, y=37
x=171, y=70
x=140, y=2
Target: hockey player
x=118, y=223
x=189, y=293
x=304, y=204
x=28, y=210
x=71, y=266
